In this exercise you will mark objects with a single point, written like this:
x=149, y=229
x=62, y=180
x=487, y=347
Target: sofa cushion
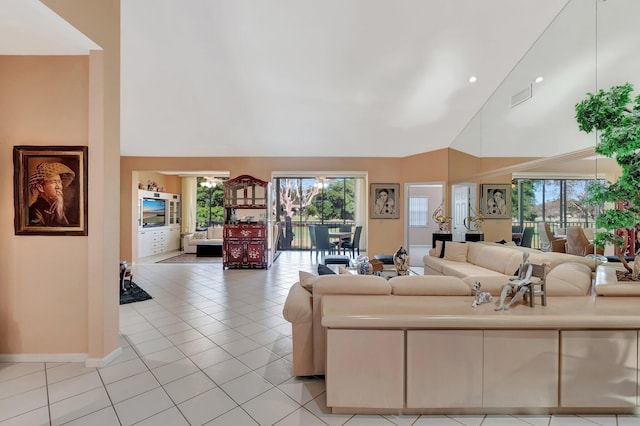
x=439, y=250
x=455, y=251
x=428, y=285
x=490, y=283
x=200, y=235
x=214, y=232
x=499, y=259
x=569, y=279
x=307, y=279
x=463, y=270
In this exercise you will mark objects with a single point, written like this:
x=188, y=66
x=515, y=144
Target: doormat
x=133, y=293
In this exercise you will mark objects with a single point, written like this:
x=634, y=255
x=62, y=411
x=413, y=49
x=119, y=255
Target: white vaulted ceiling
x=311, y=77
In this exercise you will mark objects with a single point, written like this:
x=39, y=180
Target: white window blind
x=418, y=211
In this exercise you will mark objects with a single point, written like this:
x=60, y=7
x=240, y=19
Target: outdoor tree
x=294, y=196
x=617, y=118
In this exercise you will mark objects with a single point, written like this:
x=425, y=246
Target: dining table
x=339, y=235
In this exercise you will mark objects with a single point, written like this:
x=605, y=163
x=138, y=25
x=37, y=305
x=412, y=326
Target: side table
x=441, y=236
x=474, y=236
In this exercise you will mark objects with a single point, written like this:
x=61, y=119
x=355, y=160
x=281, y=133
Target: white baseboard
x=89, y=362
x=101, y=362
x=43, y=357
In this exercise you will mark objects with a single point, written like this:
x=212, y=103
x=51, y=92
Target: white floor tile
x=74, y=386
x=66, y=371
x=206, y=406
x=210, y=357
x=302, y=390
x=165, y=356
x=196, y=346
x=113, y=373
x=187, y=387
x=79, y=406
x=276, y=372
x=237, y=416
x=143, y=406
x=246, y=387
x=10, y=370
x=22, y=403
x=105, y=417
x=131, y=386
x=270, y=407
x=37, y=417
x=175, y=370
x=301, y=417
x=172, y=417
x=226, y=371
x=22, y=384
x=258, y=358
x=368, y=420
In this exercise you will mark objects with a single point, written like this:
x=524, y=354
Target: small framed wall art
x=50, y=190
x=495, y=200
x=383, y=201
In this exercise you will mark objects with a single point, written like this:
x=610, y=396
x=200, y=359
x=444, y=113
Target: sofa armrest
x=299, y=305
x=187, y=239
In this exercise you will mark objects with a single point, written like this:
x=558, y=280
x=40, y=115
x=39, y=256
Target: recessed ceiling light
x=539, y=79
x=473, y=79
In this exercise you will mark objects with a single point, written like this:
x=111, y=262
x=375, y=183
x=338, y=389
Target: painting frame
x=50, y=190
x=492, y=208
x=381, y=208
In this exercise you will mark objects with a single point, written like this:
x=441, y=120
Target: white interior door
x=463, y=195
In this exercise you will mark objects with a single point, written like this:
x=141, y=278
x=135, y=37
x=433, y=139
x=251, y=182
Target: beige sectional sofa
x=492, y=264
x=303, y=305
x=212, y=237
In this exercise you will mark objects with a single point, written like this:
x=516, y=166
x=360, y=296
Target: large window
x=557, y=201
x=300, y=201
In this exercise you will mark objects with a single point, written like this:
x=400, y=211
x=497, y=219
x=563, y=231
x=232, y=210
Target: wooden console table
x=437, y=354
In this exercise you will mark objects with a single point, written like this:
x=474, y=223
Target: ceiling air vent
x=521, y=96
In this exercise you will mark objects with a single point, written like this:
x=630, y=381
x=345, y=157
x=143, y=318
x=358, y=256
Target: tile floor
x=211, y=348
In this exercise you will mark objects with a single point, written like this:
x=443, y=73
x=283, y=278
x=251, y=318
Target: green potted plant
x=617, y=119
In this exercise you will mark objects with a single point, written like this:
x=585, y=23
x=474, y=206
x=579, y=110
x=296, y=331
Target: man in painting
x=385, y=204
x=496, y=203
x=47, y=183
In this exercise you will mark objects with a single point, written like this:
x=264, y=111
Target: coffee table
x=208, y=250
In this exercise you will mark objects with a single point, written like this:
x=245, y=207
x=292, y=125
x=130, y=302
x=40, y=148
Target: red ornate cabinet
x=246, y=227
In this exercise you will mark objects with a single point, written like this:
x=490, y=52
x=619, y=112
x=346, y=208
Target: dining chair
x=578, y=243
x=323, y=243
x=527, y=237
x=354, y=244
x=548, y=241
x=312, y=239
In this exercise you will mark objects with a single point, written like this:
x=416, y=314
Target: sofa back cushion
x=214, y=232
x=200, y=235
x=455, y=251
x=428, y=285
x=499, y=259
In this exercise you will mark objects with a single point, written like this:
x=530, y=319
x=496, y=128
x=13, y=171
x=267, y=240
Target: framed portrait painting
x=384, y=201
x=495, y=200
x=50, y=190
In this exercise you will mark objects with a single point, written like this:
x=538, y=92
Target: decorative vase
x=364, y=266
x=401, y=261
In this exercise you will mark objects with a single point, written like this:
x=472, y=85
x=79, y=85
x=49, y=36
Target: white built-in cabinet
x=164, y=236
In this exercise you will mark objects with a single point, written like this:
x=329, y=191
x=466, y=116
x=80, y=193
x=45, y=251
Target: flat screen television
x=153, y=212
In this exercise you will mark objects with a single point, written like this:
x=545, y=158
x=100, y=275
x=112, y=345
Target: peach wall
x=384, y=235
x=100, y=21
x=43, y=296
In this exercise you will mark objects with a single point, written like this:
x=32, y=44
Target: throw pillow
x=200, y=235
x=307, y=279
x=456, y=251
x=325, y=270
x=215, y=232
x=343, y=270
